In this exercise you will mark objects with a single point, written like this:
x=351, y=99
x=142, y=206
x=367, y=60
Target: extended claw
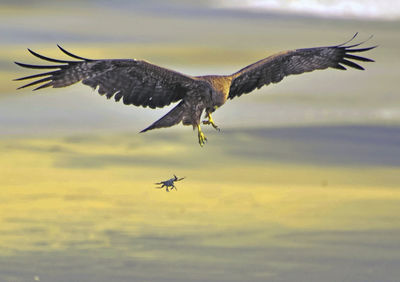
x=211, y=121
x=202, y=137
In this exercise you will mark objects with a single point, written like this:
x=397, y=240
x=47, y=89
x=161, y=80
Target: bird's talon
x=212, y=124
x=215, y=127
x=202, y=139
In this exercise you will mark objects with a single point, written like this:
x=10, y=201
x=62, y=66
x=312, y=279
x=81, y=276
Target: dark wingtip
x=37, y=82
x=47, y=58
x=350, y=49
x=358, y=58
x=355, y=45
x=339, y=67
x=360, y=49
x=42, y=86
x=351, y=64
x=36, y=75
x=351, y=39
x=72, y=55
x=38, y=66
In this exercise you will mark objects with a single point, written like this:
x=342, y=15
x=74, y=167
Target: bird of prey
x=141, y=83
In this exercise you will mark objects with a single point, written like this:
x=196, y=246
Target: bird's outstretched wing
x=274, y=68
x=136, y=82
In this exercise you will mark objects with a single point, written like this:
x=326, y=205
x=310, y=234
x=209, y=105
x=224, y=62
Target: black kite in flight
x=140, y=83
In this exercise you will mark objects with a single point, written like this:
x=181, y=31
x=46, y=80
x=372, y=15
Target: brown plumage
x=140, y=83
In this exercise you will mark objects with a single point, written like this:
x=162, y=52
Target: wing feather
x=274, y=68
x=136, y=82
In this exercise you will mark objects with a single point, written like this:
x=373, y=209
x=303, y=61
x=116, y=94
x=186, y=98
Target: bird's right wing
x=135, y=82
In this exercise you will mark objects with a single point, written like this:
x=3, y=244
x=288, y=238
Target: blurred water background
x=301, y=184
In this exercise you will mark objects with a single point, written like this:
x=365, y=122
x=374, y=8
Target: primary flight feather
x=140, y=83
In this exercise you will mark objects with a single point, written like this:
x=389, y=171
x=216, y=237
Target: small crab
x=169, y=183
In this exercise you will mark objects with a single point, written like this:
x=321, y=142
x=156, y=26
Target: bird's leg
x=202, y=137
x=210, y=121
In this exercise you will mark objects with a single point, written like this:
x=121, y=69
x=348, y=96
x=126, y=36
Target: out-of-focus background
x=301, y=184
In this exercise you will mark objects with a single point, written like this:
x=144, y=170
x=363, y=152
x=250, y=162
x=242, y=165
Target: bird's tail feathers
x=173, y=117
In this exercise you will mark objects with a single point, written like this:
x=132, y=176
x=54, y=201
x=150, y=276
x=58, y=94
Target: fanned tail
x=173, y=117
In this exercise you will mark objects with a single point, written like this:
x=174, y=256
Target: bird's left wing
x=274, y=68
x=135, y=82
